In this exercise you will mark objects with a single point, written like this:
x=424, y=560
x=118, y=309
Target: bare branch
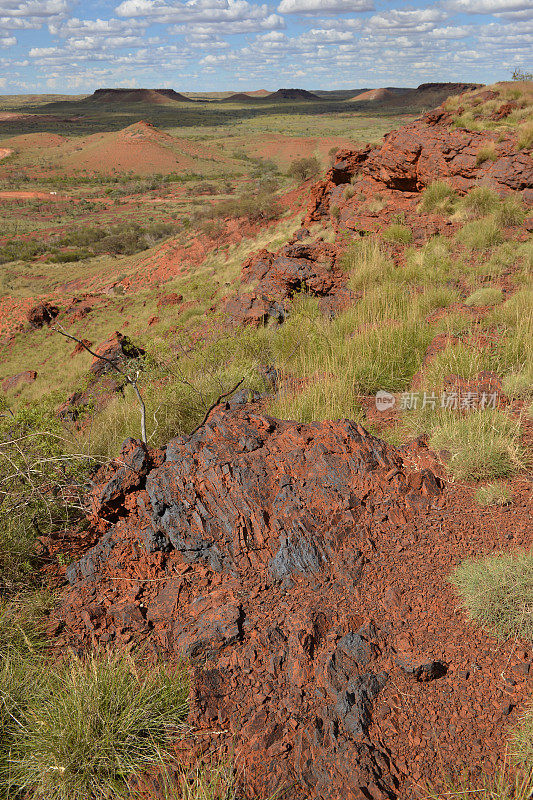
x=131, y=381
x=214, y=405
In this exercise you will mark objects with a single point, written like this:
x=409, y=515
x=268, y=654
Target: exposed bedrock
x=244, y=547
x=428, y=149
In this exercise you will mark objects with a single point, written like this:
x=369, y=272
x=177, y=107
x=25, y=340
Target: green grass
x=497, y=592
x=496, y=493
x=478, y=202
x=438, y=197
x=481, y=444
x=481, y=234
x=398, y=233
x=510, y=212
x=486, y=153
x=79, y=729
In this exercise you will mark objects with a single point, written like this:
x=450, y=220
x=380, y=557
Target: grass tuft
x=490, y=494
x=497, y=591
x=80, y=729
x=398, y=233
x=439, y=196
x=489, y=296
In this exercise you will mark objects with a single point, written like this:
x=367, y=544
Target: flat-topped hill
x=154, y=96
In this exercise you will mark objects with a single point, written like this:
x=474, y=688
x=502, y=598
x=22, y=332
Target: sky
x=77, y=46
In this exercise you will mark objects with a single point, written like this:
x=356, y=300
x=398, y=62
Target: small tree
x=304, y=168
x=520, y=75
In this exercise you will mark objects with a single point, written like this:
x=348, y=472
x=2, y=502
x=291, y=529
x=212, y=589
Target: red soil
x=373, y=95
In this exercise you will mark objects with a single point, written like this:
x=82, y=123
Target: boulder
x=42, y=314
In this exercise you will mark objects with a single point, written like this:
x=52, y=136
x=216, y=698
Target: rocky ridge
x=300, y=567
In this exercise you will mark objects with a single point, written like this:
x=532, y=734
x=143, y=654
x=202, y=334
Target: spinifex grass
x=497, y=591
x=78, y=730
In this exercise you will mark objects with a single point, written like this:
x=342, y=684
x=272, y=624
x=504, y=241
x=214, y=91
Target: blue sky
x=76, y=46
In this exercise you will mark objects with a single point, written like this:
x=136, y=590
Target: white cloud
x=324, y=6
x=230, y=27
x=7, y=41
x=95, y=27
x=419, y=20
x=34, y=8
x=489, y=6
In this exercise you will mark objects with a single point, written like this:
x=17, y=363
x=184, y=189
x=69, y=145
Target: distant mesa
x=258, y=93
x=151, y=96
x=427, y=94
x=293, y=94
x=241, y=97
x=372, y=96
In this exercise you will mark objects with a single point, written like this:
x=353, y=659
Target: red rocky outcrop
x=103, y=378
x=42, y=314
x=422, y=152
x=244, y=547
x=296, y=267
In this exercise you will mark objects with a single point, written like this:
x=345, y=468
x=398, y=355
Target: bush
x=497, y=592
x=438, y=196
x=304, y=168
x=41, y=489
x=255, y=206
x=82, y=728
x=398, y=233
x=496, y=493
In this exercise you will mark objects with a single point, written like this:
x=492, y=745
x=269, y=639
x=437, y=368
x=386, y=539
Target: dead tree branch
x=131, y=381
x=214, y=405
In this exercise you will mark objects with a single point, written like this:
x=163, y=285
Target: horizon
x=76, y=46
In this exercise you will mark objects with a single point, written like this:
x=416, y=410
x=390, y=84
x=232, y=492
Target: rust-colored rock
x=417, y=154
x=277, y=277
x=42, y=314
x=258, y=531
x=117, y=349
x=169, y=300
x=28, y=376
x=103, y=379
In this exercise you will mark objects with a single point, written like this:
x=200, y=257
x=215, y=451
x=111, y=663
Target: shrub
x=497, y=591
x=438, y=196
x=480, y=235
x=398, y=233
x=489, y=296
x=496, y=493
x=255, y=206
x=86, y=725
x=304, y=168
